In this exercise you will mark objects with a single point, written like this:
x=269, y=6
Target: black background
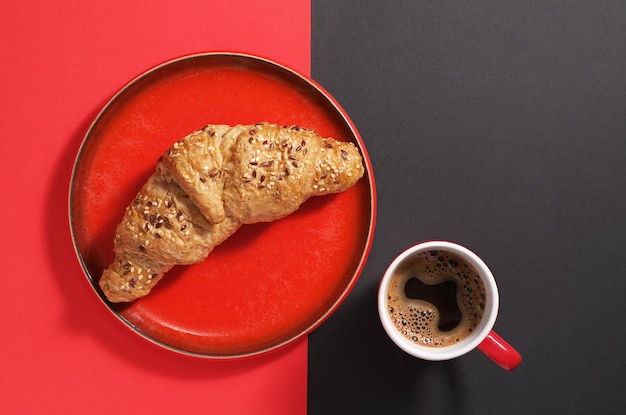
x=499, y=125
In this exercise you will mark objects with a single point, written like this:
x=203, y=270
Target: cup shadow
x=86, y=315
x=353, y=364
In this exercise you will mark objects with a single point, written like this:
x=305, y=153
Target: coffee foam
x=418, y=320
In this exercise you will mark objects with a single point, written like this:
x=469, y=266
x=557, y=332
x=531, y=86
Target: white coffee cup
x=482, y=336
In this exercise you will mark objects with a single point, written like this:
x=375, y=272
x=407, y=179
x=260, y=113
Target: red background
x=60, y=350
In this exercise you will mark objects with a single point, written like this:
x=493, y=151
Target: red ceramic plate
x=268, y=284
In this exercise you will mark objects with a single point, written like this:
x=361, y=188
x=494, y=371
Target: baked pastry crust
x=212, y=182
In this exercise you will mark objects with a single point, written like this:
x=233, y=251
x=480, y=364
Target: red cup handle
x=500, y=351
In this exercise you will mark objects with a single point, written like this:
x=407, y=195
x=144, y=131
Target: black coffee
x=436, y=299
x=442, y=296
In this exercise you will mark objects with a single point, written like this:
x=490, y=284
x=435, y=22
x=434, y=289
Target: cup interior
x=465, y=344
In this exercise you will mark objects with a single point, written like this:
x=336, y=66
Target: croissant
x=212, y=182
